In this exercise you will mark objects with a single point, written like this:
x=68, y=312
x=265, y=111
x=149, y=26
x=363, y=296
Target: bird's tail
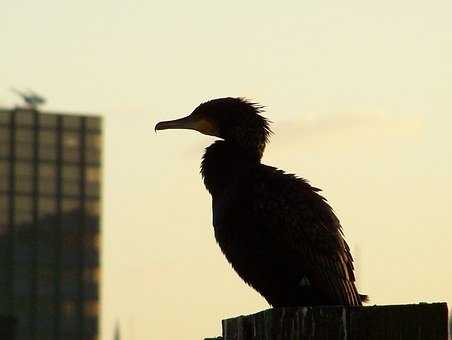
x=364, y=298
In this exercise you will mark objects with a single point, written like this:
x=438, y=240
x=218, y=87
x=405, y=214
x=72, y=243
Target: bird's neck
x=224, y=162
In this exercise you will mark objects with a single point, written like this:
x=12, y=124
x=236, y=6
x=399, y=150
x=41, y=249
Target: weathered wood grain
x=396, y=322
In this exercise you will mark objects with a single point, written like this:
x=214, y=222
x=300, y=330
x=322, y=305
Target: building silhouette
x=50, y=167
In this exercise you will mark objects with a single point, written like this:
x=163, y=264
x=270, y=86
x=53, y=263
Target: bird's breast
x=226, y=208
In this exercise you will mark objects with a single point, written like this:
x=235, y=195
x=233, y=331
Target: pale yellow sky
x=360, y=96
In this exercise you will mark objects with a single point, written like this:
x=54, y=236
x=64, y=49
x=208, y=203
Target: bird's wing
x=301, y=222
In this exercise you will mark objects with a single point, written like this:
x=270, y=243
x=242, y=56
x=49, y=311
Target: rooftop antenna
x=117, y=335
x=32, y=99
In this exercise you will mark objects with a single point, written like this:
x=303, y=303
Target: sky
x=359, y=94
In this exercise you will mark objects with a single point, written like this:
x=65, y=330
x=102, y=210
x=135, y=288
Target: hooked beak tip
x=157, y=127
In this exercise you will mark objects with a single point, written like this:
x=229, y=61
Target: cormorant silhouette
x=277, y=231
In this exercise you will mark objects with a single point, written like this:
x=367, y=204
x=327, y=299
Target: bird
x=277, y=231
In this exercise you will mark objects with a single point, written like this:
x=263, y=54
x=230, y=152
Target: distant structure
x=117, y=335
x=50, y=167
x=31, y=98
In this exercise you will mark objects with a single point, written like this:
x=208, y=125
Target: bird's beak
x=190, y=122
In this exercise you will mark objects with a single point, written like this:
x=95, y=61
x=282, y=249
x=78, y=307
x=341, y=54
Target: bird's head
x=235, y=120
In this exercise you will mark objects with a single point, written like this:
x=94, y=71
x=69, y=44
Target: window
x=91, y=240
x=4, y=168
x=5, y=117
x=24, y=135
x=22, y=217
x=4, y=213
x=92, y=182
x=48, y=137
x=47, y=186
x=47, y=178
x=47, y=171
x=24, y=143
x=92, y=189
x=71, y=146
x=47, y=120
x=4, y=175
x=23, y=209
x=92, y=207
x=71, y=180
x=93, y=140
x=71, y=187
x=4, y=133
x=24, y=185
x=23, y=203
x=4, y=141
x=70, y=204
x=4, y=202
x=4, y=149
x=68, y=308
x=46, y=206
x=91, y=275
x=47, y=152
x=47, y=145
x=24, y=118
x=71, y=155
x=71, y=172
x=93, y=123
x=93, y=156
x=71, y=140
x=92, y=174
x=93, y=147
x=24, y=177
x=91, y=308
x=24, y=169
x=71, y=122
x=24, y=151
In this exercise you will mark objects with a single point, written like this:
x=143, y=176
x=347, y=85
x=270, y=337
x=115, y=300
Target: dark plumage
x=276, y=230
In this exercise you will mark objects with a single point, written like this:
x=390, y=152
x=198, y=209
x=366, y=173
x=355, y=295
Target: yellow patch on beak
x=207, y=127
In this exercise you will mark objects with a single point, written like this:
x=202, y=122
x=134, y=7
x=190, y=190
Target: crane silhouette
x=31, y=98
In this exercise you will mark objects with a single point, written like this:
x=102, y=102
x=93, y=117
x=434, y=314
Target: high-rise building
x=50, y=166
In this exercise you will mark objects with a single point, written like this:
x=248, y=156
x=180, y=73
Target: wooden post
x=397, y=322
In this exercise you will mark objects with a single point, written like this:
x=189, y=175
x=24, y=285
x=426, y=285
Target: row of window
x=45, y=255
x=26, y=118
x=48, y=187
x=46, y=313
x=45, y=276
x=69, y=138
x=23, y=209
x=47, y=146
x=47, y=179
x=89, y=275
x=69, y=307
x=45, y=288
x=69, y=171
